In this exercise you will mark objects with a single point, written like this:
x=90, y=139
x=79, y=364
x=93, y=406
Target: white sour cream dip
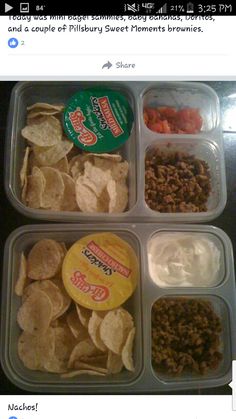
x=183, y=259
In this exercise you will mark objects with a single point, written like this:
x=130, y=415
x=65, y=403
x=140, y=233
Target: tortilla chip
x=76, y=165
x=97, y=178
x=62, y=165
x=64, y=343
x=127, y=351
x=44, y=260
x=83, y=348
x=54, y=189
x=77, y=329
x=119, y=170
x=34, y=350
x=35, y=188
x=91, y=367
x=106, y=156
x=118, y=193
x=86, y=199
x=24, y=169
x=39, y=106
x=114, y=363
x=69, y=199
x=94, y=329
x=81, y=372
x=48, y=156
x=84, y=314
x=66, y=299
x=22, y=280
x=46, y=133
x=115, y=328
x=35, y=314
x=51, y=290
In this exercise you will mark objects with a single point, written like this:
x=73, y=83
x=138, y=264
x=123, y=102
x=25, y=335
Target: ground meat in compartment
x=176, y=182
x=185, y=336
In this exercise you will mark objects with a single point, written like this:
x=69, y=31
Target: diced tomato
x=166, y=127
x=152, y=114
x=188, y=127
x=167, y=113
x=145, y=117
x=156, y=127
x=168, y=120
x=198, y=121
x=184, y=114
x=189, y=120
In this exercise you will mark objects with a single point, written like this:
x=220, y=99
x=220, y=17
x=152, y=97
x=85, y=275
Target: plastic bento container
x=207, y=145
x=144, y=378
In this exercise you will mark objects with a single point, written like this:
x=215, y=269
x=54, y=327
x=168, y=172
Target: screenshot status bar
x=43, y=8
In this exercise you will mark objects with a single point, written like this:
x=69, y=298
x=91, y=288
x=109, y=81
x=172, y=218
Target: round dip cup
x=98, y=120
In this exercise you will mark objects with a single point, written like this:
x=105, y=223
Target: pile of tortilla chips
x=56, y=176
x=59, y=336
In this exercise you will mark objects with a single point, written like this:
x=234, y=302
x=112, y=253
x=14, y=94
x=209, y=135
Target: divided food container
x=206, y=145
x=144, y=378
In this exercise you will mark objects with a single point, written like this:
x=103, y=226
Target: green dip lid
x=98, y=120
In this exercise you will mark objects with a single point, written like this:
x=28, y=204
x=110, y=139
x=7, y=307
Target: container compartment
x=185, y=95
x=26, y=94
x=204, y=150
x=22, y=240
x=221, y=310
x=181, y=264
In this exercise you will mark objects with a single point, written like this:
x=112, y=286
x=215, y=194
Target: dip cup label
x=100, y=271
x=98, y=120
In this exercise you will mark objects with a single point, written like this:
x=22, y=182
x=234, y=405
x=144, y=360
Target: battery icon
x=190, y=8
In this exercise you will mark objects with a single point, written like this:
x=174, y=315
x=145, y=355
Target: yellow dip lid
x=100, y=271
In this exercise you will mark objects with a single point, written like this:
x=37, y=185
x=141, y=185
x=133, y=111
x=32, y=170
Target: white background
x=74, y=54
x=119, y=407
